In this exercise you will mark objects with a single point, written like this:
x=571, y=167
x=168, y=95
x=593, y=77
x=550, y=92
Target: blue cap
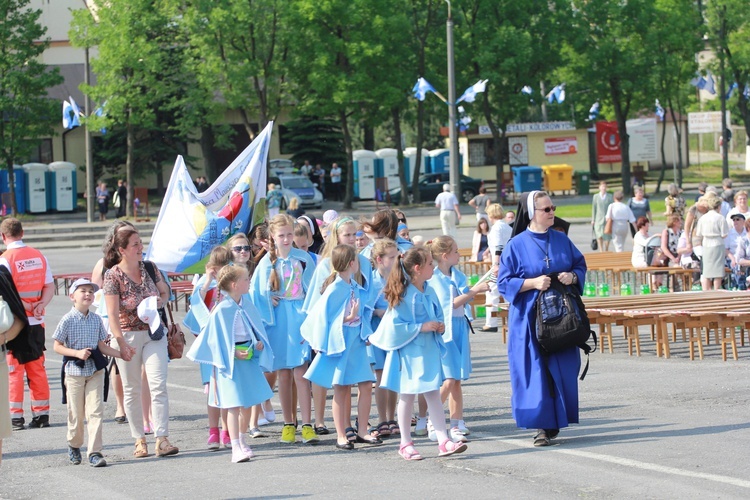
x=401, y=227
x=359, y=234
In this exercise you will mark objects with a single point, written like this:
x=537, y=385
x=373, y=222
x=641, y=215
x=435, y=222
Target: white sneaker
x=457, y=436
x=462, y=428
x=431, y=431
x=270, y=415
x=421, y=428
x=262, y=421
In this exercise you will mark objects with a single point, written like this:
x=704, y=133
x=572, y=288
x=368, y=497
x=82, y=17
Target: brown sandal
x=141, y=450
x=164, y=448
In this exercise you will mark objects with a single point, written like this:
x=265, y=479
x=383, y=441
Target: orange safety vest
x=29, y=269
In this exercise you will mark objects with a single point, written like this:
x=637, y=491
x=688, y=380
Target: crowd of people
x=306, y=306
x=709, y=236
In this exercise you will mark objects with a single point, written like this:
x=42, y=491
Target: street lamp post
x=90, y=196
x=455, y=179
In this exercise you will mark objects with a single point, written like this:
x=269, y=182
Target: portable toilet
x=389, y=166
x=440, y=161
x=20, y=188
x=364, y=174
x=61, y=182
x=410, y=163
x=36, y=187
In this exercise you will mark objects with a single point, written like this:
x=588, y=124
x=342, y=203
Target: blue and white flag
x=471, y=93
x=527, y=90
x=731, y=90
x=191, y=224
x=659, y=110
x=710, y=84
x=75, y=107
x=698, y=82
x=69, y=117
x=421, y=88
x=100, y=112
x=557, y=94
x=594, y=111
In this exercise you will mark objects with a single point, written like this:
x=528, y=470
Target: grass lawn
x=584, y=210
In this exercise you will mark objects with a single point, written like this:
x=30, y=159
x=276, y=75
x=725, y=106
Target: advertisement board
x=608, y=143
x=560, y=146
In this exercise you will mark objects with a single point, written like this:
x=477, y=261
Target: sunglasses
x=401, y=219
x=548, y=209
x=242, y=248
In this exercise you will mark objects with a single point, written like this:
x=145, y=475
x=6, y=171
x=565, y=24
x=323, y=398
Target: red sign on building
x=608, y=143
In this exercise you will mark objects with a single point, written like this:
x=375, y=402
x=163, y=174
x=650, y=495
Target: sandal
x=141, y=450
x=372, y=441
x=393, y=427
x=164, y=448
x=541, y=438
x=321, y=430
x=449, y=447
x=351, y=434
x=409, y=452
x=552, y=433
x=384, y=430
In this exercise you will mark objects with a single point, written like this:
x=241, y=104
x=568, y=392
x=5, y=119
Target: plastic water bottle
x=625, y=289
x=645, y=289
x=663, y=289
x=473, y=279
x=603, y=289
x=589, y=289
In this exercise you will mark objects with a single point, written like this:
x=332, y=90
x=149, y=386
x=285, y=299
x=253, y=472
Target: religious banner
x=608, y=143
x=560, y=146
x=191, y=224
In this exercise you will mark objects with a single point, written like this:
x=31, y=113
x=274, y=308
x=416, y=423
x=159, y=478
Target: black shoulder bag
x=561, y=320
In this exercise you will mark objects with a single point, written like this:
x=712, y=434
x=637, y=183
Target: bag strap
x=469, y=322
x=150, y=270
x=171, y=319
x=587, y=349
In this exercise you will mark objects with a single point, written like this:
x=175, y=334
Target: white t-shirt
x=446, y=201
x=498, y=237
x=336, y=174
x=305, y=169
x=619, y=211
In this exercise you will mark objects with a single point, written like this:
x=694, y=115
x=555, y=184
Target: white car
x=281, y=167
x=299, y=186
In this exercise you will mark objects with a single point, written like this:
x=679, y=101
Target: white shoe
x=431, y=431
x=262, y=421
x=457, y=436
x=462, y=428
x=421, y=428
x=239, y=456
x=270, y=415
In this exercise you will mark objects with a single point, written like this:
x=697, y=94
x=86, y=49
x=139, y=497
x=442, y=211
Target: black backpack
x=561, y=320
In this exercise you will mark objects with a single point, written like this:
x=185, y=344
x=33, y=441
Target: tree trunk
x=678, y=139
x=396, y=113
x=246, y=123
x=368, y=136
x=12, y=188
x=129, y=167
x=349, y=194
x=621, y=117
x=416, y=196
x=209, y=161
x=663, y=157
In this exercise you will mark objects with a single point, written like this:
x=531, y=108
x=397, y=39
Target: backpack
x=654, y=256
x=561, y=320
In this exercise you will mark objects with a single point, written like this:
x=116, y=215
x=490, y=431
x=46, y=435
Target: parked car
x=301, y=187
x=281, y=167
x=431, y=185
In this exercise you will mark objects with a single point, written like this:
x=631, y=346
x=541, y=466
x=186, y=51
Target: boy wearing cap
x=80, y=338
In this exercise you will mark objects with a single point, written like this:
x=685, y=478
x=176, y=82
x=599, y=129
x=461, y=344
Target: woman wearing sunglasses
x=544, y=386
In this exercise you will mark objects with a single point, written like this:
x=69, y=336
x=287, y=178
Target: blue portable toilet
x=527, y=179
x=61, y=183
x=20, y=189
x=410, y=163
x=439, y=161
x=364, y=174
x=36, y=187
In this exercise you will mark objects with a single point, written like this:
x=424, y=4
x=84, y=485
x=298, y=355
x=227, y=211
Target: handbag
x=6, y=316
x=175, y=338
x=658, y=259
x=594, y=243
x=608, y=227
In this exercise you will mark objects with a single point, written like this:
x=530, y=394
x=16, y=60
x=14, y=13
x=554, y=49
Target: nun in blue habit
x=544, y=386
x=342, y=354
x=234, y=382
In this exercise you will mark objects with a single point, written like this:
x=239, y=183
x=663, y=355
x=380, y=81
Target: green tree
x=511, y=44
x=26, y=113
x=315, y=139
x=609, y=57
x=728, y=29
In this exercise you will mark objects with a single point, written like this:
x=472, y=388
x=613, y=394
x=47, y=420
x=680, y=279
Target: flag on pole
x=69, y=117
x=710, y=84
x=698, y=82
x=659, y=110
x=557, y=94
x=100, y=112
x=731, y=90
x=75, y=107
x=421, y=88
x=471, y=93
x=527, y=90
x=191, y=224
x=594, y=111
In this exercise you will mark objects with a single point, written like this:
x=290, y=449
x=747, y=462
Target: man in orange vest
x=33, y=279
